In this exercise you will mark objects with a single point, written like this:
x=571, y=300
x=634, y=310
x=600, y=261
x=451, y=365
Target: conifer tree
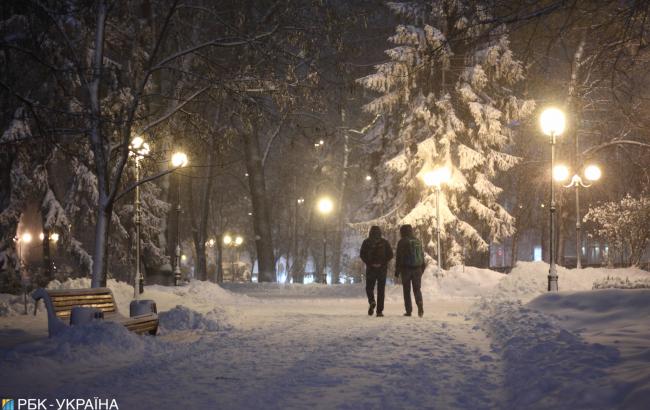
x=448, y=97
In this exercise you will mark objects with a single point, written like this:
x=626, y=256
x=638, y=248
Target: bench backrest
x=63, y=300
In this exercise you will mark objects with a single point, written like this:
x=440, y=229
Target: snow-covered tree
x=625, y=227
x=448, y=97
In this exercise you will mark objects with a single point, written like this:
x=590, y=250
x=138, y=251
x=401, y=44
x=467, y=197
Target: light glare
x=560, y=173
x=552, y=121
x=179, y=159
x=592, y=173
x=325, y=205
x=437, y=177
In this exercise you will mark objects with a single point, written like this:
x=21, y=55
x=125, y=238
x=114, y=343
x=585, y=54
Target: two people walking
x=376, y=253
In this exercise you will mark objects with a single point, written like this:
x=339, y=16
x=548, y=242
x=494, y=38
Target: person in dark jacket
x=376, y=252
x=411, y=275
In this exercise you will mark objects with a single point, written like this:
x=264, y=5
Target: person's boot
x=407, y=314
x=379, y=314
x=371, y=309
x=420, y=310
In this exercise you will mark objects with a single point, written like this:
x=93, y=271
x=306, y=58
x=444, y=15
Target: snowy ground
x=482, y=344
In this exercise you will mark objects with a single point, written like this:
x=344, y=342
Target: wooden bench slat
x=80, y=298
x=92, y=303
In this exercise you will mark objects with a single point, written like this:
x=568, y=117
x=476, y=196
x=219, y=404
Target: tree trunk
x=219, y=259
x=340, y=215
x=261, y=219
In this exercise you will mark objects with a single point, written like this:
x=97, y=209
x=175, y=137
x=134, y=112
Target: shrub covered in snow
x=616, y=282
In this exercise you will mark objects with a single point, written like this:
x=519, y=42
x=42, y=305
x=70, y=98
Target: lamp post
x=26, y=238
x=233, y=244
x=325, y=207
x=591, y=173
x=436, y=178
x=552, y=123
x=138, y=149
x=179, y=160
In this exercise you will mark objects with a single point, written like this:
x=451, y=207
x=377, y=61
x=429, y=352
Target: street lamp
x=234, y=245
x=552, y=123
x=138, y=149
x=592, y=173
x=436, y=178
x=179, y=160
x=26, y=237
x=325, y=206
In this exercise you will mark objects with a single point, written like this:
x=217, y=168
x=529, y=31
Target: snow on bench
x=59, y=304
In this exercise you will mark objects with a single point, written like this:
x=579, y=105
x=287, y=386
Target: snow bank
x=545, y=365
x=613, y=317
x=14, y=305
x=183, y=318
x=530, y=279
x=616, y=282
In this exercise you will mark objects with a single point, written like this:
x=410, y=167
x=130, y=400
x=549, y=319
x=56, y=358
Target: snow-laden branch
x=271, y=139
x=142, y=181
x=223, y=42
x=175, y=109
x=591, y=151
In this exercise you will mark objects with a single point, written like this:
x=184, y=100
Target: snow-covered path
x=289, y=353
x=312, y=346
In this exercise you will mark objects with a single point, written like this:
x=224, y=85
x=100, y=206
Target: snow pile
x=183, y=318
x=530, y=279
x=14, y=305
x=311, y=290
x=461, y=281
x=613, y=317
x=196, y=293
x=616, y=282
x=545, y=365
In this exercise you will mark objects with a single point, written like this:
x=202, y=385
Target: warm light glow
x=368, y=178
x=183, y=257
x=437, y=177
x=136, y=142
x=211, y=242
x=301, y=200
x=321, y=142
x=239, y=240
x=26, y=237
x=179, y=159
x=552, y=121
x=227, y=239
x=592, y=173
x=560, y=173
x=325, y=205
x=41, y=236
x=54, y=237
x=139, y=147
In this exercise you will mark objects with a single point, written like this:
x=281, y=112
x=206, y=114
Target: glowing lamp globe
x=325, y=205
x=552, y=121
x=437, y=177
x=239, y=240
x=560, y=173
x=592, y=173
x=227, y=239
x=179, y=159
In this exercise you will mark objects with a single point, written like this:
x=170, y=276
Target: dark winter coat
x=368, y=244
x=403, y=249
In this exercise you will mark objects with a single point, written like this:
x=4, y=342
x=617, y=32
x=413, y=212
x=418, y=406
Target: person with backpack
x=376, y=252
x=409, y=264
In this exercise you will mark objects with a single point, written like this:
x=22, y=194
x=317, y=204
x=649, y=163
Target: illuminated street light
x=227, y=240
x=179, y=160
x=552, y=123
x=436, y=178
x=41, y=236
x=239, y=240
x=325, y=206
x=560, y=173
x=592, y=173
x=368, y=178
x=54, y=237
x=26, y=237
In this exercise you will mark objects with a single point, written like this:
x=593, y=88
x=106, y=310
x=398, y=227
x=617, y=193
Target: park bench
x=59, y=304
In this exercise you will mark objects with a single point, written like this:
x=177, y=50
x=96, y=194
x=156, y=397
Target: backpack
x=377, y=253
x=415, y=256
